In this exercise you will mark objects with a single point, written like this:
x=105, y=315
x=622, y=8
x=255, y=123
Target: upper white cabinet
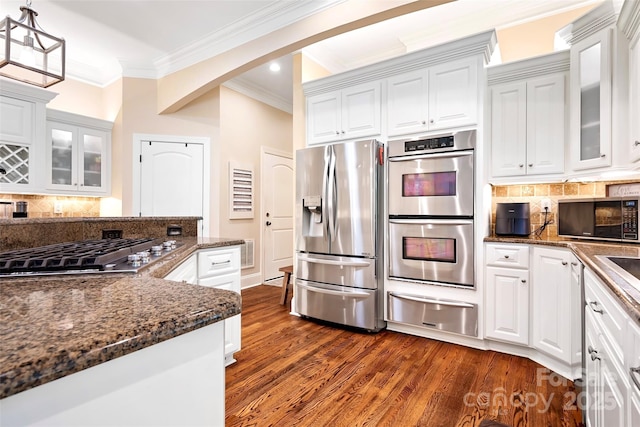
x=439, y=97
x=629, y=23
x=528, y=110
x=426, y=90
x=78, y=153
x=350, y=113
x=591, y=96
x=22, y=135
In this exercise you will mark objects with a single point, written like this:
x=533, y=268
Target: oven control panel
x=429, y=144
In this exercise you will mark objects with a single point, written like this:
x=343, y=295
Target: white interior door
x=171, y=179
x=277, y=213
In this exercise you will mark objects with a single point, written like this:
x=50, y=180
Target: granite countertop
x=52, y=326
x=626, y=293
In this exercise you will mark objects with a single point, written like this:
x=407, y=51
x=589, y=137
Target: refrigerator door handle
x=331, y=196
x=351, y=294
x=432, y=301
x=432, y=221
x=325, y=189
x=332, y=262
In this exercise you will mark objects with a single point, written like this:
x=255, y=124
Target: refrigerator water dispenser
x=312, y=216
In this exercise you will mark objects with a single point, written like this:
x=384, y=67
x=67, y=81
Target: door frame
x=280, y=153
x=206, y=171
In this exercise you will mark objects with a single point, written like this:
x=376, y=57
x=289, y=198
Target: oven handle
x=432, y=301
x=432, y=221
x=332, y=262
x=352, y=294
x=408, y=158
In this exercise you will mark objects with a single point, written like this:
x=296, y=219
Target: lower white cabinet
x=552, y=307
x=216, y=268
x=507, y=305
x=608, y=389
x=633, y=351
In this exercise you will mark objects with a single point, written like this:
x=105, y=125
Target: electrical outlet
x=545, y=204
x=57, y=207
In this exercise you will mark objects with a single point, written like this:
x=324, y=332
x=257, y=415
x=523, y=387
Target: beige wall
x=246, y=126
x=536, y=37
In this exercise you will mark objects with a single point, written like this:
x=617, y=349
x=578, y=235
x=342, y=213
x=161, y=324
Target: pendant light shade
x=29, y=54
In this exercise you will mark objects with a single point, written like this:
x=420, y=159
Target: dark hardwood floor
x=295, y=372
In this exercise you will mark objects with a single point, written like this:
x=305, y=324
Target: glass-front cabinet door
x=76, y=158
x=591, y=101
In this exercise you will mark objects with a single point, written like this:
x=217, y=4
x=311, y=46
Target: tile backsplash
x=40, y=206
x=534, y=193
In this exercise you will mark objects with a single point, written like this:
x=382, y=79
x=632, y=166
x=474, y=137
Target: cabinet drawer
x=229, y=282
x=514, y=256
x=606, y=311
x=218, y=262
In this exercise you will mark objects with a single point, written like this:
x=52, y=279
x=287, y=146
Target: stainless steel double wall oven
x=431, y=209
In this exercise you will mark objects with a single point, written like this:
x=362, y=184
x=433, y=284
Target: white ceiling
x=150, y=38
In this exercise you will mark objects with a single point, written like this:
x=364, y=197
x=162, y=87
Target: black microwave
x=612, y=218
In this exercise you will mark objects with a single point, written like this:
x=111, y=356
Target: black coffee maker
x=512, y=219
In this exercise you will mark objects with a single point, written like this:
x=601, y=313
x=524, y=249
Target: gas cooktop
x=85, y=256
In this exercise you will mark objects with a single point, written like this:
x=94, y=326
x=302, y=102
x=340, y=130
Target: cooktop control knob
x=156, y=250
x=134, y=260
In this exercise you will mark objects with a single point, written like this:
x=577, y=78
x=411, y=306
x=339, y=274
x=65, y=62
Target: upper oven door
x=438, y=184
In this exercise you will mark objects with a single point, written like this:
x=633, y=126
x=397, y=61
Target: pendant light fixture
x=29, y=54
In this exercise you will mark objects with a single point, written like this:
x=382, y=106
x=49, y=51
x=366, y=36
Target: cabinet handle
x=506, y=256
x=521, y=165
x=530, y=165
x=636, y=143
x=523, y=280
x=594, y=307
x=603, y=155
x=594, y=353
x=634, y=377
x=221, y=262
x=564, y=263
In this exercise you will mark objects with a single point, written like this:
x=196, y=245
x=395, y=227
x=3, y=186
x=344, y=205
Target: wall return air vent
x=240, y=191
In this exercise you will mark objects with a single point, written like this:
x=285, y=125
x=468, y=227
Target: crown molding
x=557, y=62
x=597, y=19
x=77, y=119
x=246, y=88
x=481, y=44
x=629, y=20
x=15, y=89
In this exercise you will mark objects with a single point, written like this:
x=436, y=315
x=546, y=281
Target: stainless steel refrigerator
x=338, y=276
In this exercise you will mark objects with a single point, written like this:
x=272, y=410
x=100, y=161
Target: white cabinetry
x=439, y=97
x=629, y=23
x=552, y=305
x=216, y=268
x=528, y=115
x=349, y=113
x=507, y=293
x=78, y=151
x=607, y=387
x=633, y=365
x=22, y=135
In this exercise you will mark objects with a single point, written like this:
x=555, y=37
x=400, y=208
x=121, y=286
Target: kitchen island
x=115, y=349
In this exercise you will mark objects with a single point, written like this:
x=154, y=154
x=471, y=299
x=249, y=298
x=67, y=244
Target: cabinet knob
x=575, y=264
x=564, y=263
x=424, y=122
x=636, y=143
x=521, y=165
x=342, y=132
x=506, y=256
x=337, y=133
x=530, y=165
x=603, y=155
x=432, y=121
x=523, y=280
x=594, y=307
x=594, y=353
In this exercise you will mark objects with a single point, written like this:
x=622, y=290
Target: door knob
x=268, y=223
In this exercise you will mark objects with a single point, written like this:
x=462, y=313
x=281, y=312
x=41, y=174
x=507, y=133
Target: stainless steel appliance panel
x=336, y=194
x=337, y=270
x=432, y=250
x=432, y=184
x=337, y=304
x=446, y=315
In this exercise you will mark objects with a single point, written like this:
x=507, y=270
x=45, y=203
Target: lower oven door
x=432, y=250
x=337, y=304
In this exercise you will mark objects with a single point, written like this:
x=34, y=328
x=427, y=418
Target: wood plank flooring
x=295, y=372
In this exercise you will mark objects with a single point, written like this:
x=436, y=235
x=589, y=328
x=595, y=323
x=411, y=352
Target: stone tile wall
x=534, y=193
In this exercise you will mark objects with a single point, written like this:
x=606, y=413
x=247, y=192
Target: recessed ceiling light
x=275, y=67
